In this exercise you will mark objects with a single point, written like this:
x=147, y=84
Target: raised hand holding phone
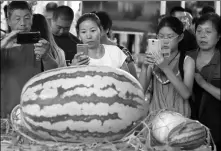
x=81, y=58
x=154, y=46
x=82, y=48
x=41, y=48
x=10, y=40
x=153, y=50
x=28, y=37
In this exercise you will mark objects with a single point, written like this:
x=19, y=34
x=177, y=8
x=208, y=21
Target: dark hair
x=189, y=11
x=105, y=19
x=176, y=9
x=51, y=6
x=5, y=10
x=207, y=9
x=215, y=20
x=18, y=5
x=88, y=16
x=161, y=17
x=63, y=11
x=175, y=24
x=40, y=24
x=194, y=20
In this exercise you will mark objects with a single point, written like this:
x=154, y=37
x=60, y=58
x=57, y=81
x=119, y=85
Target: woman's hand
x=148, y=60
x=80, y=59
x=199, y=79
x=160, y=61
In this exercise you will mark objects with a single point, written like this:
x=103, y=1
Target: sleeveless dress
x=164, y=94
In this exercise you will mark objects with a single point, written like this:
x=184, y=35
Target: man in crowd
x=207, y=9
x=49, y=9
x=61, y=22
x=189, y=41
x=19, y=62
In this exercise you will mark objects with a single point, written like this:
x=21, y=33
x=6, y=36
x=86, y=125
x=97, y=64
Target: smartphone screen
x=28, y=37
x=82, y=48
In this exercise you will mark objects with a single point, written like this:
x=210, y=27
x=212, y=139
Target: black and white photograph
x=112, y=75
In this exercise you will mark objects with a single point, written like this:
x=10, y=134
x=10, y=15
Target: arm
x=9, y=41
x=125, y=67
x=214, y=91
x=61, y=58
x=49, y=62
x=132, y=69
x=44, y=50
x=184, y=87
x=130, y=62
x=145, y=76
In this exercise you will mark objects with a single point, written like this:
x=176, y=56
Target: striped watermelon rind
x=188, y=135
x=86, y=103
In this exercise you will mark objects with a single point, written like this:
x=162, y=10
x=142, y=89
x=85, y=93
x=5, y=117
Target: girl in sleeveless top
x=162, y=74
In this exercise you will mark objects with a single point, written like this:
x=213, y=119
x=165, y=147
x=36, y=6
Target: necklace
x=161, y=72
x=173, y=58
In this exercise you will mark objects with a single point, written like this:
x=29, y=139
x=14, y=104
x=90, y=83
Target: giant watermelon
x=82, y=104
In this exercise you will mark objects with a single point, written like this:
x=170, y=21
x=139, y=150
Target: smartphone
x=82, y=48
x=28, y=37
x=154, y=45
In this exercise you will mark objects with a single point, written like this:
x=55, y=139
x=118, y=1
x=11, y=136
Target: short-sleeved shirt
x=17, y=67
x=127, y=53
x=113, y=57
x=68, y=44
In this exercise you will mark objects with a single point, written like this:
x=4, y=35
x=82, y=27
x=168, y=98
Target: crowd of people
x=188, y=81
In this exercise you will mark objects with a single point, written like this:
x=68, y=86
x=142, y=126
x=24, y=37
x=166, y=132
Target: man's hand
x=41, y=48
x=10, y=40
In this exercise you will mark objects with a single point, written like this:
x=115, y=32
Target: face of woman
x=206, y=36
x=169, y=38
x=90, y=33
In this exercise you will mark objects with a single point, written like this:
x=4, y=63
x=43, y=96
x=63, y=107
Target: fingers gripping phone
x=28, y=37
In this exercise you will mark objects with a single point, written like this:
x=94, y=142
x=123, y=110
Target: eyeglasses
x=161, y=37
x=203, y=32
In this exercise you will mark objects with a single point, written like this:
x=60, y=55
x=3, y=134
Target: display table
x=15, y=137
x=15, y=142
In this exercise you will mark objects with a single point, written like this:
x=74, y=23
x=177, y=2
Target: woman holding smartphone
x=89, y=31
x=171, y=78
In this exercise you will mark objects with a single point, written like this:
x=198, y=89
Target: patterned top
x=127, y=53
x=165, y=96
